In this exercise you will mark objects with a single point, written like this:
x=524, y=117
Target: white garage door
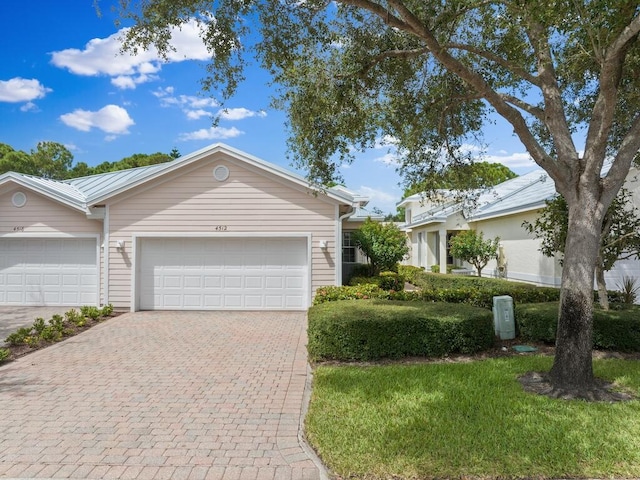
x=229, y=273
x=48, y=271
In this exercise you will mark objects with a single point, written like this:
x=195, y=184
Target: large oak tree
x=429, y=74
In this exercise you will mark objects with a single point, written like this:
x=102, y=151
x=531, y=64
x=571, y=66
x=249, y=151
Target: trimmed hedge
x=376, y=329
x=477, y=295
x=386, y=281
x=612, y=330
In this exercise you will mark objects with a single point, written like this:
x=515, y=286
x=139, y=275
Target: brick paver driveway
x=154, y=395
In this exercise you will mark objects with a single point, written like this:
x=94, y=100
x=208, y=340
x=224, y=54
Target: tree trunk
x=572, y=371
x=603, y=297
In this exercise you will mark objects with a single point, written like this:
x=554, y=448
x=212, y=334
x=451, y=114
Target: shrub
x=479, y=293
x=410, y=273
x=4, y=354
x=106, y=311
x=72, y=316
x=376, y=329
x=20, y=336
x=364, y=280
x=357, y=292
x=90, y=312
x=391, y=281
x=612, y=329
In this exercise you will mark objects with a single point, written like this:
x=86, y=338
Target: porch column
x=442, y=235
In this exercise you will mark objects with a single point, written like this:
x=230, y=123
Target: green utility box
x=503, y=321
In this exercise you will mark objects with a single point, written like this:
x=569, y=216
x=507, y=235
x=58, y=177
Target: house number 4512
x=221, y=228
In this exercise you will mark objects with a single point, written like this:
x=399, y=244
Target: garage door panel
x=48, y=271
x=231, y=273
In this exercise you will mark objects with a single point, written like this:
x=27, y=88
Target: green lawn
x=469, y=420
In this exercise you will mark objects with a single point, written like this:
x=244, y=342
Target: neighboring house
x=498, y=212
x=216, y=229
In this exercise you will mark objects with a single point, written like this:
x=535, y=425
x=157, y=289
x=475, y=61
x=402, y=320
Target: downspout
x=339, y=242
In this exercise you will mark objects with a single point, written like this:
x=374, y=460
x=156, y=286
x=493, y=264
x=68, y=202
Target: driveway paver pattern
x=162, y=395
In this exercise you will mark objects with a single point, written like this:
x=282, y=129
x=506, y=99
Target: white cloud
x=240, y=113
x=110, y=119
x=197, y=114
x=389, y=159
x=213, y=133
x=192, y=106
x=19, y=89
x=511, y=160
x=103, y=56
x=378, y=198
x=29, y=107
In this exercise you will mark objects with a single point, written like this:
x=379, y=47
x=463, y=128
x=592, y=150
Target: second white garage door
x=48, y=271
x=223, y=273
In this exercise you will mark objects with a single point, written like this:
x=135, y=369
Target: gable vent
x=221, y=173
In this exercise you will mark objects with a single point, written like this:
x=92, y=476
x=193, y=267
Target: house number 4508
x=221, y=228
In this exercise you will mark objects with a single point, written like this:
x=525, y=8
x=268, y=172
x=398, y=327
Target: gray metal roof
x=529, y=191
x=526, y=192
x=85, y=192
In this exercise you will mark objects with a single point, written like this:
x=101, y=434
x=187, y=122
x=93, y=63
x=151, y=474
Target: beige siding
x=524, y=260
x=194, y=203
x=41, y=215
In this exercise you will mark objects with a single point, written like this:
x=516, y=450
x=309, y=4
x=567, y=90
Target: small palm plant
x=629, y=289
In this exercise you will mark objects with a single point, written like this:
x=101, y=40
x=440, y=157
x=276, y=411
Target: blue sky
x=62, y=80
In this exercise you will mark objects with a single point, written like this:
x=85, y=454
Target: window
x=348, y=248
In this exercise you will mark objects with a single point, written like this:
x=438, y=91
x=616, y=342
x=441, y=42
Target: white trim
x=339, y=246
x=542, y=280
x=44, y=190
x=36, y=235
x=137, y=237
x=105, y=254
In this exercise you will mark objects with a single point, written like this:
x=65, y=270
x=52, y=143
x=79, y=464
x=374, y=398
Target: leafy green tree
x=49, y=160
x=384, y=245
x=429, y=75
x=619, y=240
x=463, y=177
x=471, y=247
x=13, y=160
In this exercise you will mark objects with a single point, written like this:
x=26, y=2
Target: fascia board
x=45, y=191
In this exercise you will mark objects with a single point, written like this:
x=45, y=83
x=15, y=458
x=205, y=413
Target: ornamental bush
x=377, y=329
x=612, y=329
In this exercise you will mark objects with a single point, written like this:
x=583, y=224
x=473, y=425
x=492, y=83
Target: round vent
x=221, y=173
x=19, y=199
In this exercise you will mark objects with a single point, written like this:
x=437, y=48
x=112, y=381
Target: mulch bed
x=17, y=351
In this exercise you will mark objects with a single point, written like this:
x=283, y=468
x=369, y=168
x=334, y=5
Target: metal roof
x=85, y=192
x=526, y=192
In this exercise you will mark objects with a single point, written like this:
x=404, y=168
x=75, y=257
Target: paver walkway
x=162, y=395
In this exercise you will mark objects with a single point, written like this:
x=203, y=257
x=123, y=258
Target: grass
x=469, y=420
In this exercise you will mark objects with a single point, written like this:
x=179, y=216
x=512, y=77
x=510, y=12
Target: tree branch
x=604, y=108
x=522, y=105
x=629, y=147
x=476, y=81
x=516, y=70
x=555, y=118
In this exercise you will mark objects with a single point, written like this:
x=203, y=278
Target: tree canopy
x=53, y=160
x=470, y=246
x=426, y=76
x=476, y=175
x=383, y=244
